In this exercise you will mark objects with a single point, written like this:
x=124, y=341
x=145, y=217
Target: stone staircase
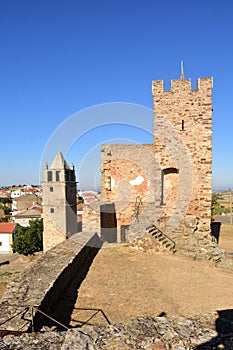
x=144, y=224
x=187, y=239
x=162, y=238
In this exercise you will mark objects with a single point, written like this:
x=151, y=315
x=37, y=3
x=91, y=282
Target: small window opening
x=52, y=210
x=58, y=175
x=182, y=125
x=50, y=176
x=51, y=189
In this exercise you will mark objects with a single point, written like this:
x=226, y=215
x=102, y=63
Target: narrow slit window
x=182, y=125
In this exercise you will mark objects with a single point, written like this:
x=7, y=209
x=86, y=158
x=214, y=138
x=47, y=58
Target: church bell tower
x=59, y=202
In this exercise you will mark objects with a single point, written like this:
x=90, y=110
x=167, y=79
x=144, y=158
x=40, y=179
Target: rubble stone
x=211, y=331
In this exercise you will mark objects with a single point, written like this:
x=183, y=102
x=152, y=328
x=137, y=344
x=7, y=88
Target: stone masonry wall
x=53, y=235
x=183, y=138
x=43, y=284
x=128, y=179
x=91, y=217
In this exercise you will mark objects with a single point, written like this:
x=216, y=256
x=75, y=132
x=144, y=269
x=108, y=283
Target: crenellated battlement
x=203, y=85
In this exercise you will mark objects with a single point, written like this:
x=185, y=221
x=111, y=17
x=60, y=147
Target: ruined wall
x=91, y=217
x=128, y=179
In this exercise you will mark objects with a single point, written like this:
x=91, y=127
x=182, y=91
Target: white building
x=7, y=230
x=16, y=193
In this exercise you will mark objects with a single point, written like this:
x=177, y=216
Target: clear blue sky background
x=58, y=57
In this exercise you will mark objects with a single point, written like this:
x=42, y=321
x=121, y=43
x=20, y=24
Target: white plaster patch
x=113, y=182
x=137, y=181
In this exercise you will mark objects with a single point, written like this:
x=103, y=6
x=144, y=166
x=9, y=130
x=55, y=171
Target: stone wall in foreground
x=44, y=284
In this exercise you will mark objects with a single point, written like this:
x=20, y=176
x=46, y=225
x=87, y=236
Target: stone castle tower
x=183, y=143
x=168, y=182
x=59, y=202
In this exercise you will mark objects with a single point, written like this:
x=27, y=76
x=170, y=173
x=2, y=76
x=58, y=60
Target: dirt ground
x=226, y=237
x=123, y=283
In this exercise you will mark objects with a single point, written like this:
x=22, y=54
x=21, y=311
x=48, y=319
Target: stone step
x=163, y=239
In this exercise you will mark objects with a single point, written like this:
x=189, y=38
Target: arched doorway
x=169, y=184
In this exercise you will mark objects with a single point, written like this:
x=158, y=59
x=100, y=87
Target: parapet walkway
x=43, y=283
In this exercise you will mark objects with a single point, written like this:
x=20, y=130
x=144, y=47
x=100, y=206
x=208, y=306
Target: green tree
x=6, y=209
x=216, y=208
x=28, y=240
x=80, y=200
x=5, y=219
x=5, y=200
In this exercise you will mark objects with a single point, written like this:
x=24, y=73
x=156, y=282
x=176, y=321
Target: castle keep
x=167, y=183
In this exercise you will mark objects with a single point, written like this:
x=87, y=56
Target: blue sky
x=60, y=57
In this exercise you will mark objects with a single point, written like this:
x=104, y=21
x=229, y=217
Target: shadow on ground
x=59, y=302
x=224, y=328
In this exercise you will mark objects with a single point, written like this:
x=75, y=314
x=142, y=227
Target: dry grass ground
x=125, y=283
x=226, y=237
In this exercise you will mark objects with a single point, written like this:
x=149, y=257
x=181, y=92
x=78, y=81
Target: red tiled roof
x=30, y=190
x=79, y=206
x=33, y=211
x=37, y=207
x=7, y=227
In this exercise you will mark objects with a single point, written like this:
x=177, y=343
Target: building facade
x=7, y=230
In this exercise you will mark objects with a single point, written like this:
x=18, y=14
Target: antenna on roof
x=182, y=70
